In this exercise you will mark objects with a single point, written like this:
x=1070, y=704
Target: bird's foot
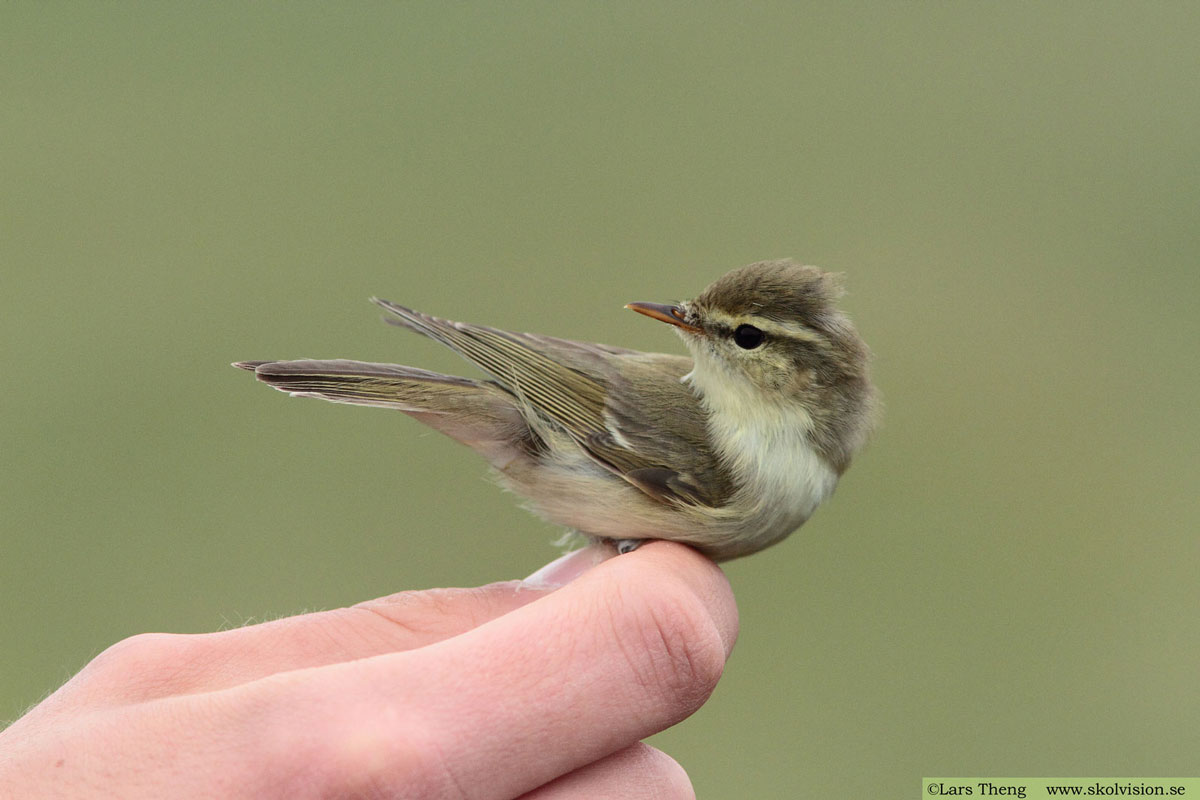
x=627, y=545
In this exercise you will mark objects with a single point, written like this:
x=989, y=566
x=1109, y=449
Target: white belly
x=783, y=480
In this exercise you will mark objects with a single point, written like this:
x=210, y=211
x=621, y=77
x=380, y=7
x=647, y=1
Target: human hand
x=507, y=690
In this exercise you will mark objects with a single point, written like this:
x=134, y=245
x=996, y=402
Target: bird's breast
x=780, y=477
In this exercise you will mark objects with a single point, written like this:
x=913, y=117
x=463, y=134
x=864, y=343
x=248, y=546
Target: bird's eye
x=748, y=337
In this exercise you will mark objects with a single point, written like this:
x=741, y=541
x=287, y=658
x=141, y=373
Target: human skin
x=539, y=689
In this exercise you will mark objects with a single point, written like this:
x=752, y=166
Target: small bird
x=728, y=451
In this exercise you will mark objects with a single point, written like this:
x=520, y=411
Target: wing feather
x=628, y=410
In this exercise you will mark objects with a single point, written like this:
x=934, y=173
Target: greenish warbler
x=729, y=450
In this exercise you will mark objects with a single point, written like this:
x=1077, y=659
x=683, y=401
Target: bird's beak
x=672, y=315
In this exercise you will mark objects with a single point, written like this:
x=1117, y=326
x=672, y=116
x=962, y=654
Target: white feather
x=766, y=444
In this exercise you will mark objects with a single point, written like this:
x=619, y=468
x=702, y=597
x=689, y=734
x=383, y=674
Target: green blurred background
x=1004, y=584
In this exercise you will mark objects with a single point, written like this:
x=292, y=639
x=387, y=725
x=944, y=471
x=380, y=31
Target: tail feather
x=477, y=413
x=360, y=381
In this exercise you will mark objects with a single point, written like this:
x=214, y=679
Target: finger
x=638, y=772
x=158, y=665
x=630, y=648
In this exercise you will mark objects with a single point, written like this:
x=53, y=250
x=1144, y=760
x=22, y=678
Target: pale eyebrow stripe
x=791, y=330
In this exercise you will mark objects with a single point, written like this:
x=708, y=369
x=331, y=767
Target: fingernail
x=563, y=570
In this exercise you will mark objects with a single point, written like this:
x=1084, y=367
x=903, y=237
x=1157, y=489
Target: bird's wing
x=651, y=410
x=626, y=409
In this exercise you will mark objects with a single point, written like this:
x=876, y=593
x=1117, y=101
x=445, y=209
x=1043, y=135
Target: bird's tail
x=479, y=414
